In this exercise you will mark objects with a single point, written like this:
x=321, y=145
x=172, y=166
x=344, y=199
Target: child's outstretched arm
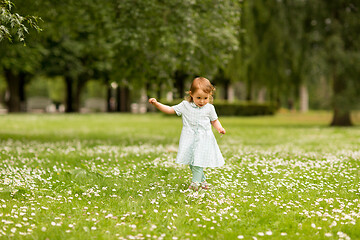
x=164, y=108
x=217, y=125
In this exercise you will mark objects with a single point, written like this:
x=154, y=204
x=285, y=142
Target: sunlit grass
x=113, y=176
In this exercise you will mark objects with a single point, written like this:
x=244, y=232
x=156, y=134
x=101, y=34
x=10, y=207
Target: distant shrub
x=238, y=108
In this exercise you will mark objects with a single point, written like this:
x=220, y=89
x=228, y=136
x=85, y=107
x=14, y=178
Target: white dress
x=198, y=146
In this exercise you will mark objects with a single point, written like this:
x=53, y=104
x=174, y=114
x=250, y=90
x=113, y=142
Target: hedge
x=237, y=108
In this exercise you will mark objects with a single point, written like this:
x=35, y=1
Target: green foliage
x=20, y=59
x=154, y=39
x=130, y=42
x=336, y=24
x=15, y=24
x=286, y=44
x=21, y=62
x=77, y=51
x=260, y=61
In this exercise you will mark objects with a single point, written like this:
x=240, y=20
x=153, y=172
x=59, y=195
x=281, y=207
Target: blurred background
x=112, y=55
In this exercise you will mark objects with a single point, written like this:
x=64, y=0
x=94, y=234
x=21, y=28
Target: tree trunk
x=126, y=93
x=14, y=85
x=80, y=84
x=22, y=79
x=249, y=90
x=123, y=96
x=180, y=84
x=109, y=99
x=118, y=99
x=73, y=93
x=69, y=95
x=341, y=118
x=221, y=79
x=76, y=100
x=290, y=104
x=341, y=115
x=304, y=99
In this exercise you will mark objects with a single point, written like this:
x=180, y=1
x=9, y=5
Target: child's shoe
x=205, y=185
x=194, y=186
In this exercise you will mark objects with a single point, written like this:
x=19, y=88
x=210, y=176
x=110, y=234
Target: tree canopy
x=281, y=46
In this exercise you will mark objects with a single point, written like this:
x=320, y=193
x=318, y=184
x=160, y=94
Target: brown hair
x=203, y=84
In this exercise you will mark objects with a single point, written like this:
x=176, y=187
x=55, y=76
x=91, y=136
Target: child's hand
x=153, y=101
x=221, y=130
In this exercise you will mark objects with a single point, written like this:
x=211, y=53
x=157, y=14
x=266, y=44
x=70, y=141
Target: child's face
x=200, y=97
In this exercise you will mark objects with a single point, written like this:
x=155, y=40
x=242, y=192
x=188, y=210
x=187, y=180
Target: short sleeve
x=213, y=115
x=179, y=109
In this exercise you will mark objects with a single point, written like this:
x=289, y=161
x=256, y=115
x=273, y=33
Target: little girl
x=198, y=147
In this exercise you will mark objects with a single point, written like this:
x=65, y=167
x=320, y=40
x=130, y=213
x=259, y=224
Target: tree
x=285, y=45
x=260, y=56
x=134, y=42
x=17, y=62
x=78, y=43
x=210, y=42
x=337, y=25
x=173, y=39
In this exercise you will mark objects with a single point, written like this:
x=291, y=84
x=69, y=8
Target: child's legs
x=198, y=174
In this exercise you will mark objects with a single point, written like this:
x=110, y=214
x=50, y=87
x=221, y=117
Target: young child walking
x=197, y=147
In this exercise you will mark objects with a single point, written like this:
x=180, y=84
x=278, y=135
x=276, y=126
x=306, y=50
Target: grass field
x=113, y=176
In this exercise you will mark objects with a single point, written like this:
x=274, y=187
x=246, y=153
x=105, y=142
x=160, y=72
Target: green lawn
x=113, y=176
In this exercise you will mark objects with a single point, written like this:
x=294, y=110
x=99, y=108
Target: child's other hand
x=152, y=101
x=222, y=131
